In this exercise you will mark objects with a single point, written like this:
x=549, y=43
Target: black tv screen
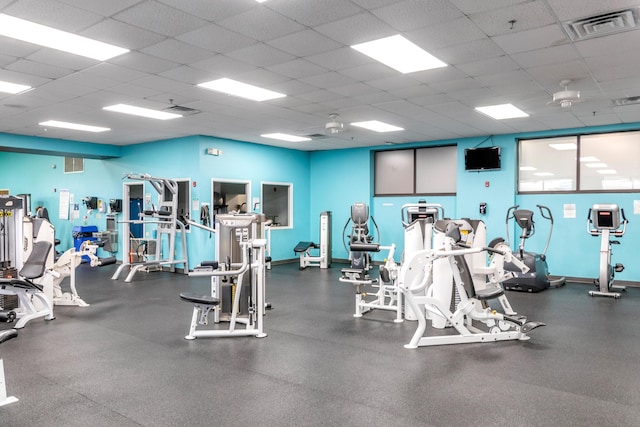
x=479, y=159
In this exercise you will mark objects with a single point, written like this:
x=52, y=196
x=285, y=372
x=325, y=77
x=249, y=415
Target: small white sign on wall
x=569, y=210
x=636, y=207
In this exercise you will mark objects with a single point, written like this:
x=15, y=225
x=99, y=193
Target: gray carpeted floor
x=124, y=361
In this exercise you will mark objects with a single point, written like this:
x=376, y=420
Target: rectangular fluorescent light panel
x=244, y=90
x=596, y=165
x=73, y=126
x=285, y=137
x=377, y=126
x=543, y=174
x=142, y=112
x=400, y=54
x=12, y=88
x=42, y=35
x=589, y=159
x=502, y=111
x=564, y=147
x=527, y=168
x=607, y=171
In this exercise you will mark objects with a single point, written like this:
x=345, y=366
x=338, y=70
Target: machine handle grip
x=624, y=218
x=589, y=216
x=545, y=212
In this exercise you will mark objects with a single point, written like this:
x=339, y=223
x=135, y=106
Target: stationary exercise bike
x=537, y=278
x=604, y=220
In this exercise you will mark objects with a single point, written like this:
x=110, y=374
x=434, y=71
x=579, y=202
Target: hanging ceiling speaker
x=334, y=126
x=566, y=98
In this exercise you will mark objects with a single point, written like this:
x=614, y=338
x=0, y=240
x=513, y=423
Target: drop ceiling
x=497, y=51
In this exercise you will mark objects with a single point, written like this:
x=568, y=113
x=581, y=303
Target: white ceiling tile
x=211, y=10
x=472, y=51
x=292, y=87
x=121, y=34
x=297, y=68
x=262, y=24
x=102, y=7
x=53, y=13
x=38, y=69
x=17, y=48
x=187, y=74
x=115, y=72
x=261, y=77
x=328, y=80
x=313, y=13
x=488, y=66
x=177, y=51
x=359, y=28
x=527, y=15
x=261, y=55
x=304, y=43
x=552, y=74
x=133, y=94
x=216, y=39
x=613, y=67
x=372, y=71
x=537, y=38
x=159, y=18
x=474, y=6
x=396, y=82
x=546, y=56
x=145, y=63
x=222, y=65
x=620, y=44
x=407, y=92
x=354, y=89
x=159, y=83
x=436, y=36
x=412, y=14
x=338, y=59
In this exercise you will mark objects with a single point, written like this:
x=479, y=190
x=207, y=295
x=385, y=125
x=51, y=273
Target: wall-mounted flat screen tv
x=482, y=159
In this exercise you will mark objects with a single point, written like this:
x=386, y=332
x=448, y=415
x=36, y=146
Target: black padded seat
x=36, y=263
x=489, y=293
x=303, y=246
x=199, y=299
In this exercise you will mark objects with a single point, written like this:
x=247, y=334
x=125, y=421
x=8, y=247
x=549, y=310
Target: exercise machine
x=34, y=300
x=158, y=251
x=427, y=287
x=4, y=399
x=372, y=292
x=323, y=257
x=417, y=221
x=607, y=220
x=537, y=278
x=237, y=294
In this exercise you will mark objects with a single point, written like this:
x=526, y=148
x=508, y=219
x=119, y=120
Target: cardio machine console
x=605, y=217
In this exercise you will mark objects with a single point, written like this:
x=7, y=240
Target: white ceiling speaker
x=334, y=126
x=566, y=98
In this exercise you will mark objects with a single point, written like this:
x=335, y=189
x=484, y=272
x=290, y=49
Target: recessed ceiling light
x=12, y=88
x=596, y=165
x=377, y=126
x=73, y=126
x=285, y=137
x=502, y=111
x=42, y=35
x=607, y=171
x=564, y=146
x=261, y=1
x=400, y=54
x=543, y=174
x=244, y=90
x=142, y=112
x=589, y=159
x=527, y=168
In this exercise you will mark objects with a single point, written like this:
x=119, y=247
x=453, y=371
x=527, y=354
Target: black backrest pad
x=34, y=265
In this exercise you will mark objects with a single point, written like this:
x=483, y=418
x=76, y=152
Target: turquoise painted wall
x=322, y=180
x=340, y=178
x=175, y=158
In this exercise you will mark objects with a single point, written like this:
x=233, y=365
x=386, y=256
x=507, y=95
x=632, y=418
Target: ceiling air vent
x=185, y=111
x=603, y=25
x=316, y=136
x=629, y=100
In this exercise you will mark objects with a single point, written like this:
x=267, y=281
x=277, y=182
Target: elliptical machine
x=604, y=220
x=537, y=278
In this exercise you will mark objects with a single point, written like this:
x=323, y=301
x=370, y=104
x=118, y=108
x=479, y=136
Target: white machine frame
x=616, y=228
x=386, y=297
x=323, y=258
x=4, y=399
x=423, y=279
x=165, y=218
x=253, y=264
